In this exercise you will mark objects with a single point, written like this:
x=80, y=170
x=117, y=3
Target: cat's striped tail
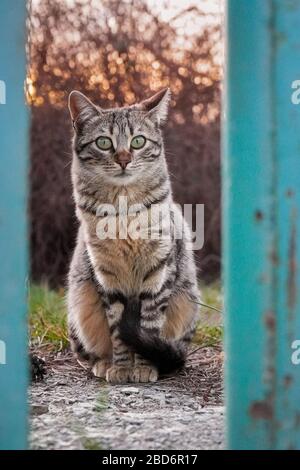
x=164, y=355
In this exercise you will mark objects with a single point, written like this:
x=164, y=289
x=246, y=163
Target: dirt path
x=72, y=410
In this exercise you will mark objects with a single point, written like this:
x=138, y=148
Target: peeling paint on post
x=261, y=187
x=13, y=240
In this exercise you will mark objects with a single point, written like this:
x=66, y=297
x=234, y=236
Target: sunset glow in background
x=186, y=18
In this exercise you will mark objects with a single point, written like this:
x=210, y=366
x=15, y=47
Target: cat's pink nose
x=123, y=158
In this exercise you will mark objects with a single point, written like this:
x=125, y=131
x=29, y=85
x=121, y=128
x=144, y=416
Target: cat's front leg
x=151, y=323
x=122, y=362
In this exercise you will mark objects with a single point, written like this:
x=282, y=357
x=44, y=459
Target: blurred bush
x=119, y=52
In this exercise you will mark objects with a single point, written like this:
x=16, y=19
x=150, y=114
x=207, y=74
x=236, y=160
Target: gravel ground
x=70, y=409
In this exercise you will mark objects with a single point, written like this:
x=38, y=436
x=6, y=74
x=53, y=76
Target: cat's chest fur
x=125, y=258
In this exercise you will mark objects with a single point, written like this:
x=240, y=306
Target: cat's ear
x=157, y=106
x=81, y=108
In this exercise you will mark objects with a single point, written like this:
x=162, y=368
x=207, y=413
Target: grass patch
x=209, y=331
x=47, y=317
x=212, y=295
x=208, y=335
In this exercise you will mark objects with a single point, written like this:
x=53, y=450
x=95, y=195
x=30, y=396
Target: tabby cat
x=131, y=300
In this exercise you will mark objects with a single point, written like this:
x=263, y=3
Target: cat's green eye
x=104, y=143
x=138, y=142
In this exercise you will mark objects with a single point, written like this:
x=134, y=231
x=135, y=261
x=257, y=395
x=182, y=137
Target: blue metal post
x=13, y=238
x=261, y=217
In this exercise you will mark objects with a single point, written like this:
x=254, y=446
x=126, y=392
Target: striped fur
x=130, y=301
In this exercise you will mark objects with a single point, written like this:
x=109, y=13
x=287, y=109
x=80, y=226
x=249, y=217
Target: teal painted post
x=13, y=233
x=261, y=217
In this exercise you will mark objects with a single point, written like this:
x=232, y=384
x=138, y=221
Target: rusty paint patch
x=287, y=380
x=289, y=193
x=292, y=268
x=258, y=215
x=274, y=257
x=270, y=321
x=261, y=410
x=269, y=374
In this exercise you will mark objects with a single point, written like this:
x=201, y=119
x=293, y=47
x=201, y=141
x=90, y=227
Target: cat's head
x=119, y=145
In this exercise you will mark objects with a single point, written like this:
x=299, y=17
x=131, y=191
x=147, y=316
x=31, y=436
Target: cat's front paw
x=118, y=374
x=100, y=368
x=144, y=374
